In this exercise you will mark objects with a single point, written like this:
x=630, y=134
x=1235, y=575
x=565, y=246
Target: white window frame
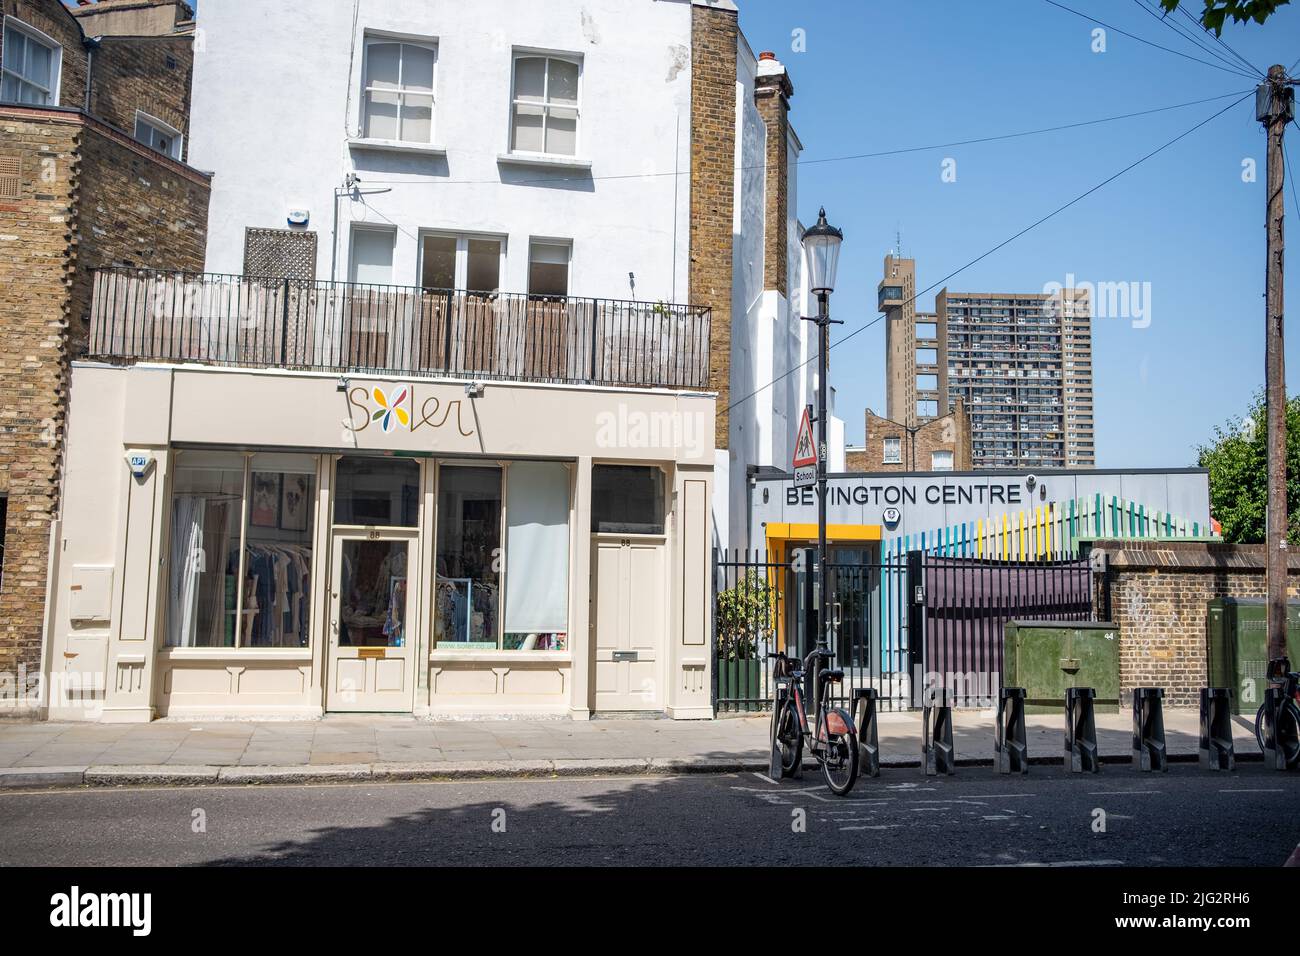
x=549, y=241
x=390, y=233
x=463, y=240
x=891, y=459
x=363, y=114
x=524, y=53
x=934, y=464
x=56, y=58
x=178, y=138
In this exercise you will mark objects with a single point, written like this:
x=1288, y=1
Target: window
x=893, y=452
x=241, y=550
x=627, y=499
x=927, y=383
x=156, y=134
x=372, y=256
x=927, y=356
x=548, y=268
x=478, y=539
x=377, y=492
x=941, y=461
x=398, y=100
x=544, y=116
x=30, y=65
x=461, y=262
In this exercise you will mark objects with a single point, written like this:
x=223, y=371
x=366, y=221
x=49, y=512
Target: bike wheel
x=790, y=739
x=840, y=765
x=1287, y=732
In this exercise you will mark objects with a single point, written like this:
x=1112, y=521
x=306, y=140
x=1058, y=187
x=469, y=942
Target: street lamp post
x=822, y=244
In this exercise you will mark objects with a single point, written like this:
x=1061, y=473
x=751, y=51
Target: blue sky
x=878, y=75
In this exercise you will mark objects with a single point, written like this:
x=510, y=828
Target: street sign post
x=805, y=454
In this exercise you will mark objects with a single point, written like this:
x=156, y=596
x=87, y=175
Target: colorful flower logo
x=387, y=411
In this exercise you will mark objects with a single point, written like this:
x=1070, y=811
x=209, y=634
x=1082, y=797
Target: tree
x=1217, y=11
x=745, y=614
x=1237, y=460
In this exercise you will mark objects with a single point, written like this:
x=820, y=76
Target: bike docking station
x=1010, y=740
x=1216, y=729
x=937, y=753
x=866, y=717
x=1081, y=731
x=1149, y=752
x=1275, y=750
x=775, y=768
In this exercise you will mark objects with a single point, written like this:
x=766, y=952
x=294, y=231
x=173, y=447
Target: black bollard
x=1149, y=730
x=1217, y=751
x=1081, y=731
x=937, y=752
x=865, y=715
x=1011, y=742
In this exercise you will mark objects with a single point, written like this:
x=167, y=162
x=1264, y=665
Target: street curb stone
x=164, y=775
x=142, y=775
x=15, y=778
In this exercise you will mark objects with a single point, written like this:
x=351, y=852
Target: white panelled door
x=629, y=617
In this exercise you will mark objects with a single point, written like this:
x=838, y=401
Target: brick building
x=92, y=173
x=938, y=444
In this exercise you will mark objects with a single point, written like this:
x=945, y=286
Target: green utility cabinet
x=1046, y=657
x=1236, y=647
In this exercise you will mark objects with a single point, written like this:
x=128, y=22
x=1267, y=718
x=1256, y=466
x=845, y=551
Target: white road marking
x=1076, y=863
x=1117, y=793
x=1278, y=790
x=881, y=826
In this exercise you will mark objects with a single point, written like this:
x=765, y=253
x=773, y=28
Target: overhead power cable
x=1005, y=242
x=1219, y=39
x=853, y=157
x=1134, y=36
x=1182, y=31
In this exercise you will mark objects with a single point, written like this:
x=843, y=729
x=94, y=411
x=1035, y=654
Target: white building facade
x=474, y=379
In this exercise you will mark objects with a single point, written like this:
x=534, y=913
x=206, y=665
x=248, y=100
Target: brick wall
x=36, y=252
x=713, y=157
x=89, y=196
x=949, y=433
x=1158, y=596
x=772, y=97
x=149, y=74
x=52, y=18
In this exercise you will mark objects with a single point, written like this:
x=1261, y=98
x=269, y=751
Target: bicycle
x=1287, y=731
x=833, y=740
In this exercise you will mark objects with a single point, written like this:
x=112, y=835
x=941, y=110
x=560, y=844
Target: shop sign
x=402, y=407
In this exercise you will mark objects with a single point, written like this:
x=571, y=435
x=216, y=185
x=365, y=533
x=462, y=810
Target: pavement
x=1049, y=818
x=353, y=748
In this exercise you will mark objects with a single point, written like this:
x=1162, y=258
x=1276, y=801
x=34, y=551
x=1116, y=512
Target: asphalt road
x=1185, y=817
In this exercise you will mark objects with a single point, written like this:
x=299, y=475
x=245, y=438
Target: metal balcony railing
x=252, y=322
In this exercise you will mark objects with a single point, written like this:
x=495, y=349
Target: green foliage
x=1216, y=12
x=744, y=615
x=1237, y=459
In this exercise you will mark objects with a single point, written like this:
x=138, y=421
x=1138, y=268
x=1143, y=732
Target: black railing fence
x=956, y=608
x=140, y=315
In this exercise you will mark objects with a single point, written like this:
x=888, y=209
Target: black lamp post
x=822, y=245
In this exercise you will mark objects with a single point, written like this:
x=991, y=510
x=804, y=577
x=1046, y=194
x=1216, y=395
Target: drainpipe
x=90, y=44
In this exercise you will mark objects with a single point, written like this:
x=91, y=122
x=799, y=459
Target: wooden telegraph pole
x=1274, y=108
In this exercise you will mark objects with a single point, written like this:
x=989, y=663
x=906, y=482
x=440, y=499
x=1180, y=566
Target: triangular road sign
x=805, y=451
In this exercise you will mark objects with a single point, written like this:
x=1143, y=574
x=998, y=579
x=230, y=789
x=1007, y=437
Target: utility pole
x=1274, y=108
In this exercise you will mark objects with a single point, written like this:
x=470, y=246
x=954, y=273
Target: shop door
x=372, y=615
x=629, y=619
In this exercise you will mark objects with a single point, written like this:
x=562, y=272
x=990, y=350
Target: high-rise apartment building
x=1022, y=362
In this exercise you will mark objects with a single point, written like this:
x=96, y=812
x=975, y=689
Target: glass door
x=371, y=658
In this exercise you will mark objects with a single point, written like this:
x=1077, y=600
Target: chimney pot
x=767, y=55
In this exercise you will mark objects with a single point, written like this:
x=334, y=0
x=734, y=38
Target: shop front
x=273, y=543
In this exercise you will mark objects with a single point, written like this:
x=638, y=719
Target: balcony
x=251, y=322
